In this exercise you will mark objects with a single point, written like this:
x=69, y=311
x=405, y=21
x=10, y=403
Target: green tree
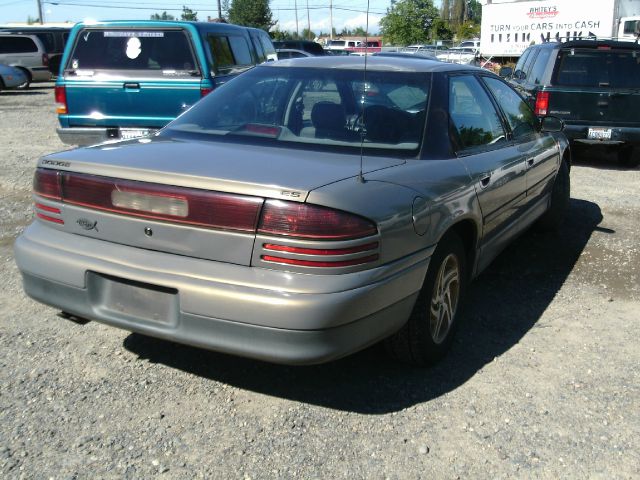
x=409, y=21
x=474, y=11
x=360, y=32
x=468, y=30
x=280, y=35
x=188, y=14
x=163, y=16
x=251, y=13
x=440, y=30
x=308, y=34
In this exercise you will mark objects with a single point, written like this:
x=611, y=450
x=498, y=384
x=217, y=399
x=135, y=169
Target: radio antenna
x=363, y=130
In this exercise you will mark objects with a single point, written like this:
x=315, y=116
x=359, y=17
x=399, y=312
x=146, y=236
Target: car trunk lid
x=134, y=192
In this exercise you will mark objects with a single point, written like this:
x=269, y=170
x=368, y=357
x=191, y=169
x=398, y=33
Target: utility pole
x=308, y=23
x=331, y=19
x=295, y=4
x=219, y=10
x=40, y=16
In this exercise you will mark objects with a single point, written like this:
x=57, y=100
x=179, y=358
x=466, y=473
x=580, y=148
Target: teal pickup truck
x=127, y=79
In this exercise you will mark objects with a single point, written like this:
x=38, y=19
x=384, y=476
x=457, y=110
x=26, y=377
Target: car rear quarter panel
x=414, y=204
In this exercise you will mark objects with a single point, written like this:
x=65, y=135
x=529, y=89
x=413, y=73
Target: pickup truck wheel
x=553, y=217
x=629, y=156
x=427, y=335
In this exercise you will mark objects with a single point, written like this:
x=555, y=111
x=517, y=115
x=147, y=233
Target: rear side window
x=537, y=71
x=11, y=44
x=157, y=52
x=522, y=59
x=474, y=120
x=521, y=119
x=262, y=57
x=48, y=40
x=267, y=46
x=527, y=64
x=598, y=68
x=229, y=53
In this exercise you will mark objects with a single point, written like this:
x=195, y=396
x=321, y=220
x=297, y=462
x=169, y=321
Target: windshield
x=598, y=68
x=316, y=107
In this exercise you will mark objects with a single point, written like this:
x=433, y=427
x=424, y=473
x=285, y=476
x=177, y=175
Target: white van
x=27, y=53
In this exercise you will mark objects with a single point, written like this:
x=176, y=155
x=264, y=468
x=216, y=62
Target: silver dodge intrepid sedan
x=300, y=212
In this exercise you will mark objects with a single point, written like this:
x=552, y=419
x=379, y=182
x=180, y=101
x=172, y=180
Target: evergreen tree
x=188, y=14
x=251, y=13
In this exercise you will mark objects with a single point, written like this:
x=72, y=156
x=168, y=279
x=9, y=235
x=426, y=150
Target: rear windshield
x=598, y=68
x=315, y=106
x=151, y=52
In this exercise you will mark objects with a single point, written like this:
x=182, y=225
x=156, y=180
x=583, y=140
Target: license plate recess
x=133, y=301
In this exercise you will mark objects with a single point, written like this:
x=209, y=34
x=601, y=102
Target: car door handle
x=135, y=86
x=530, y=162
x=484, y=181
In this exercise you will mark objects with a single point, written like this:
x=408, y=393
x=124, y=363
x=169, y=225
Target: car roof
x=208, y=26
x=408, y=63
x=589, y=44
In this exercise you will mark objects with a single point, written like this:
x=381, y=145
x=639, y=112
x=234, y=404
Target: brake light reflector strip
x=320, y=251
x=320, y=263
x=49, y=219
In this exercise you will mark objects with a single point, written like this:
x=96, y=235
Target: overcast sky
x=346, y=13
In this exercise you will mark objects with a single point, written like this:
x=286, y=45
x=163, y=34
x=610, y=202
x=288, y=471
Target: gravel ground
x=542, y=381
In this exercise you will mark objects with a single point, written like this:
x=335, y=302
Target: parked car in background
x=341, y=45
x=462, y=55
x=27, y=53
x=424, y=50
x=53, y=39
x=11, y=77
x=592, y=85
x=292, y=216
x=286, y=53
x=124, y=79
x=313, y=48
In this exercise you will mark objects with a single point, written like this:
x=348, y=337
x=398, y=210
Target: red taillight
x=310, y=221
x=162, y=202
x=204, y=91
x=45, y=59
x=542, y=103
x=46, y=183
x=61, y=99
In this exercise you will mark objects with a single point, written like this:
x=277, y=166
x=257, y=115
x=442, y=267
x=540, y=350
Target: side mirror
x=519, y=75
x=551, y=124
x=505, y=72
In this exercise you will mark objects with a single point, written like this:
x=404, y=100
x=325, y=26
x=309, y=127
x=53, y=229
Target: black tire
x=420, y=342
x=1, y=85
x=553, y=217
x=629, y=156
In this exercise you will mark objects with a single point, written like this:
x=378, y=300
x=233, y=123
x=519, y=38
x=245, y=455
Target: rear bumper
x=40, y=74
x=268, y=315
x=619, y=135
x=95, y=135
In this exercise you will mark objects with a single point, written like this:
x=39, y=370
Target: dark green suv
x=592, y=85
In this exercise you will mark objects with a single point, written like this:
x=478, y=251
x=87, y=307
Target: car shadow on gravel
x=503, y=305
